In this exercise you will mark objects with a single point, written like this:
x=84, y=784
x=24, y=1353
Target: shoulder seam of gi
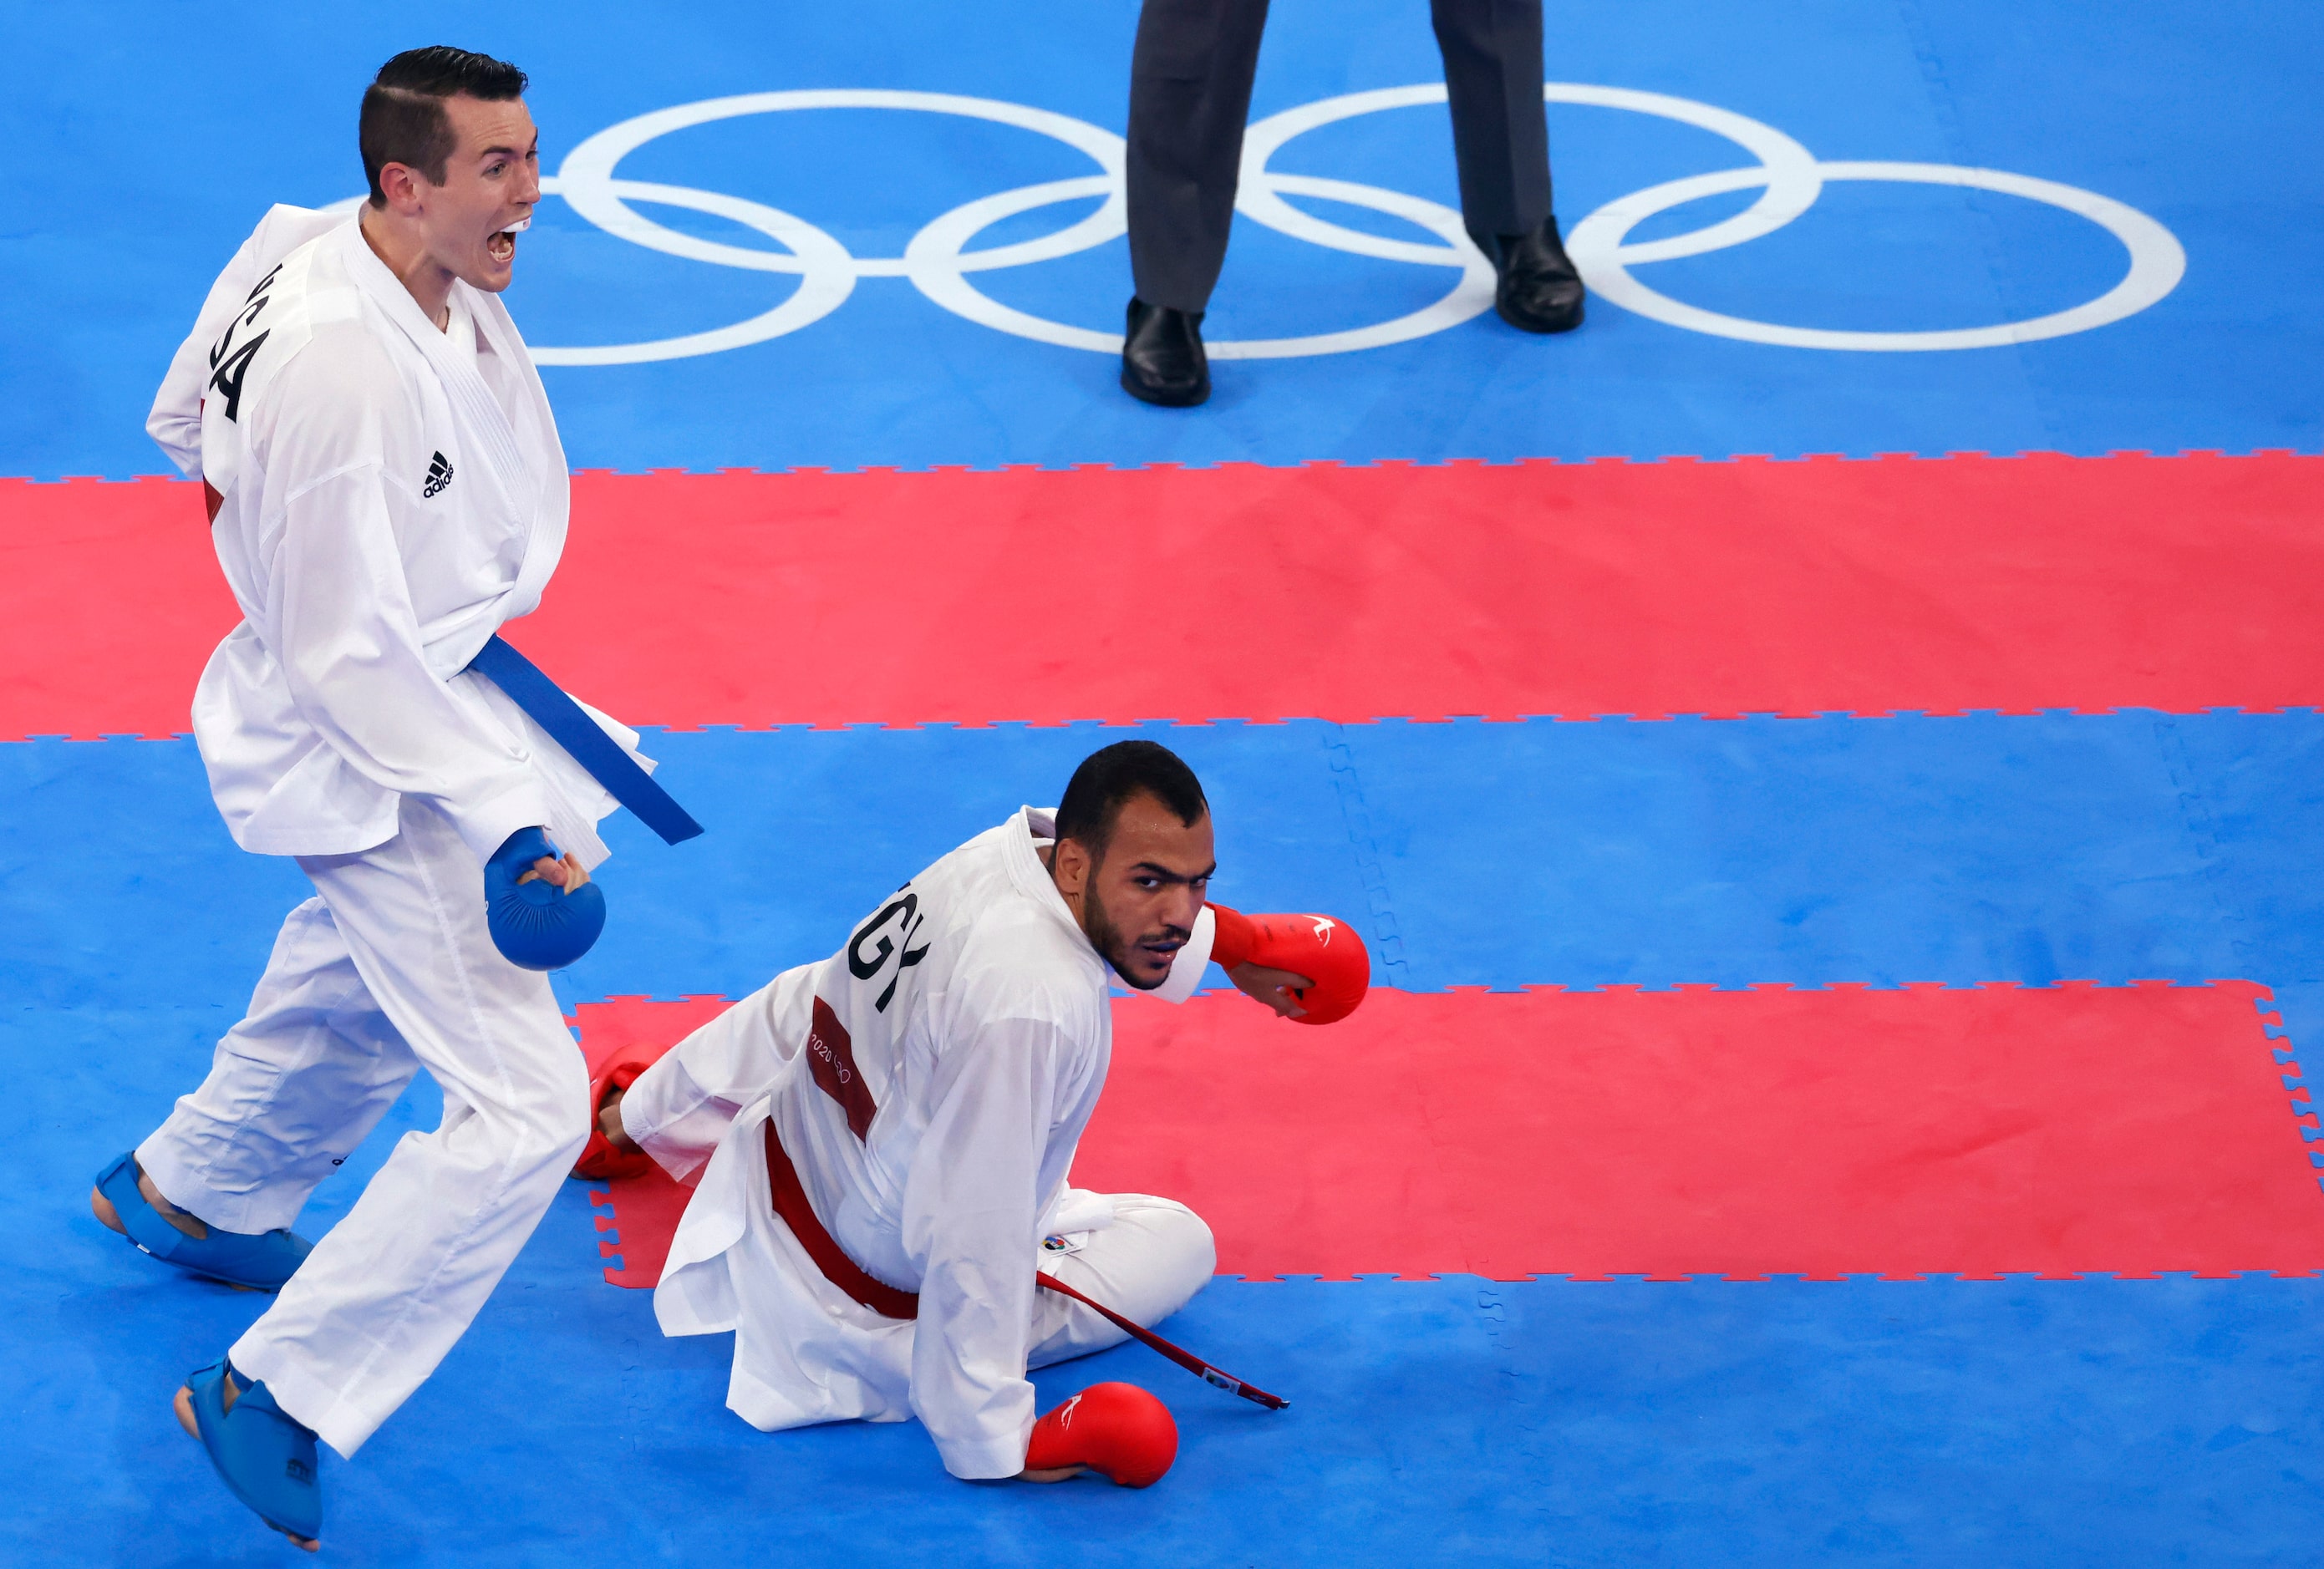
x=342, y=471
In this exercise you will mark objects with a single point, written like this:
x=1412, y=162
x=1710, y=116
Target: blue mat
x=2092, y=1421
x=2183, y=115
x=2114, y=847
x=2082, y=1422
x=1458, y=1421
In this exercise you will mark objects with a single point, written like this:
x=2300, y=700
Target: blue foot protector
x=261, y=1262
x=537, y=925
x=264, y=1455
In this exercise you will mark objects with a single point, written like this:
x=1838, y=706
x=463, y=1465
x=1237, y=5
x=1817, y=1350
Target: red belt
x=796, y=1212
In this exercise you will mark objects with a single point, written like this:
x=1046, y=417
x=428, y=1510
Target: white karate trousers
x=1145, y=1266
x=388, y=970
x=805, y=1353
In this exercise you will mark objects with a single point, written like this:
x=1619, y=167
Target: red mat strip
x=2057, y=1131
x=1348, y=593
x=640, y=1213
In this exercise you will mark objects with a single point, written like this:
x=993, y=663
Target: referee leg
x=1501, y=130
x=1189, y=96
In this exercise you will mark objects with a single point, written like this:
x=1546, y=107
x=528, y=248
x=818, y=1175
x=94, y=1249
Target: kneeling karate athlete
x=882, y=1138
x=387, y=489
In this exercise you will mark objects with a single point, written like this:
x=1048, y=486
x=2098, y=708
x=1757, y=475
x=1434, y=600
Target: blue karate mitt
x=537, y=925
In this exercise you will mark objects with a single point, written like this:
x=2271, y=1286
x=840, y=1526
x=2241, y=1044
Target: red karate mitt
x=1117, y=1430
x=600, y=1161
x=1328, y=952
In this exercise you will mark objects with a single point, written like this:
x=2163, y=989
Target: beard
x=1116, y=947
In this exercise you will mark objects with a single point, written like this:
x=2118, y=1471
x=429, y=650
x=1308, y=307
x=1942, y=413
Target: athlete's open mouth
x=502, y=246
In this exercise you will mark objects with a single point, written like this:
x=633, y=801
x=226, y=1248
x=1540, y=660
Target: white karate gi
x=929, y=1082
x=393, y=492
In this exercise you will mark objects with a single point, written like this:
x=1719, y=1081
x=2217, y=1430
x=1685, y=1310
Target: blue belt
x=581, y=736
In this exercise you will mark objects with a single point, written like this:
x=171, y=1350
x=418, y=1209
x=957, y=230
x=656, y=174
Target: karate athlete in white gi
x=388, y=489
x=927, y=1084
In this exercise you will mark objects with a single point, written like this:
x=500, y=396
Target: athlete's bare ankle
x=191, y=1225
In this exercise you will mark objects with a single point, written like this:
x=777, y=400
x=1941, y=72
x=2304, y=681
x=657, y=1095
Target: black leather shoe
x=1540, y=291
x=1162, y=358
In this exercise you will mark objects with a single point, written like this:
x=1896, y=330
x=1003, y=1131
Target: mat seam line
x=1387, y=940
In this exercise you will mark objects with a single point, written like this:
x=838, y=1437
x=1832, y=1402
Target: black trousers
x=1190, y=95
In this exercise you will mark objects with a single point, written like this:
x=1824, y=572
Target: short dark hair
x=403, y=119
x=1111, y=776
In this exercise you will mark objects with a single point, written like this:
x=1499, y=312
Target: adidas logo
x=439, y=475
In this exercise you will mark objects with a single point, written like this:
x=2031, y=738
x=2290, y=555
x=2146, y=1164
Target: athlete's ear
x=1070, y=867
x=400, y=183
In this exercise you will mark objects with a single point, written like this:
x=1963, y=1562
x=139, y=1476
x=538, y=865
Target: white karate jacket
x=394, y=493
x=929, y=1081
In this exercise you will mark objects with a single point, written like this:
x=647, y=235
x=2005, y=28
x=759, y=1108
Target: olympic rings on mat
x=2157, y=261
x=938, y=260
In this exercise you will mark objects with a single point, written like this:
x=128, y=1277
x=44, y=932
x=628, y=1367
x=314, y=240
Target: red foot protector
x=1678, y=587
x=1117, y=1430
x=2056, y=1130
x=642, y=1204
x=1737, y=1133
